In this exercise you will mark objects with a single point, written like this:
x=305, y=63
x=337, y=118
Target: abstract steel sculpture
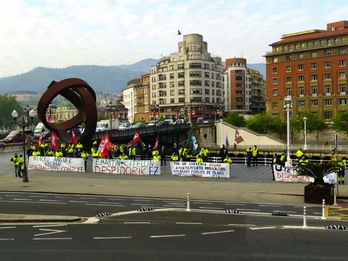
x=82, y=96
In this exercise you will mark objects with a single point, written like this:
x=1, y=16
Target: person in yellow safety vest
x=282, y=159
x=70, y=150
x=249, y=152
x=227, y=160
x=95, y=153
x=62, y=147
x=341, y=170
x=36, y=153
x=199, y=158
x=85, y=156
x=43, y=148
x=255, y=155
x=174, y=157
x=299, y=154
x=59, y=153
x=156, y=155
x=20, y=166
x=203, y=153
x=303, y=161
x=121, y=149
x=123, y=156
x=49, y=152
x=132, y=151
x=78, y=150
x=14, y=159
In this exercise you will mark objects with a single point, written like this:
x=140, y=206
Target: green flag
x=192, y=142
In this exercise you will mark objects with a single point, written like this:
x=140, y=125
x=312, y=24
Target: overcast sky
x=58, y=34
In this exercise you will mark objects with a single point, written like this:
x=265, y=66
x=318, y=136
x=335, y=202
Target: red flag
x=237, y=139
x=73, y=138
x=155, y=147
x=104, y=146
x=136, y=138
x=54, y=141
x=39, y=141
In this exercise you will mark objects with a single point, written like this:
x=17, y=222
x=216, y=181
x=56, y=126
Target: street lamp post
x=110, y=108
x=288, y=107
x=28, y=112
x=305, y=132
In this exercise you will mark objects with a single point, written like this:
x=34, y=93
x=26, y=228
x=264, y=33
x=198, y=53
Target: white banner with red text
x=200, y=169
x=127, y=167
x=56, y=164
x=289, y=175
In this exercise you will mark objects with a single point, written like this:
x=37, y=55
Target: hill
x=106, y=79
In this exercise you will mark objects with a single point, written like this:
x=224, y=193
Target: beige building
x=189, y=83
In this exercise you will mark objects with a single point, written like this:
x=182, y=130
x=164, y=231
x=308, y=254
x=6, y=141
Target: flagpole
x=221, y=132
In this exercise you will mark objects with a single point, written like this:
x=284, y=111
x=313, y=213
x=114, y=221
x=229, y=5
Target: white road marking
x=211, y=208
x=52, y=238
x=77, y=201
x=110, y=238
x=140, y=204
x=166, y=236
x=136, y=223
x=6, y=239
x=261, y=228
x=105, y=205
x=22, y=199
x=6, y=227
x=251, y=209
x=188, y=223
x=49, y=200
x=49, y=232
x=110, y=203
x=217, y=232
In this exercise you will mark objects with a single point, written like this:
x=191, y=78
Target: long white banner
x=201, y=169
x=127, y=167
x=56, y=164
x=289, y=175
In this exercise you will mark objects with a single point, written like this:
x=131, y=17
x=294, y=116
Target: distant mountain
x=106, y=79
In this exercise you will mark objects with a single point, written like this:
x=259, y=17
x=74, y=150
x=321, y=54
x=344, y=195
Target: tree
x=8, y=103
x=341, y=122
x=265, y=123
x=235, y=119
x=314, y=123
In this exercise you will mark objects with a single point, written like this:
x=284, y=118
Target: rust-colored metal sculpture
x=82, y=96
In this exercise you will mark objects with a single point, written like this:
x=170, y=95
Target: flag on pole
x=54, y=141
x=192, y=143
x=104, y=146
x=227, y=143
x=237, y=139
x=39, y=141
x=136, y=138
x=155, y=147
x=73, y=138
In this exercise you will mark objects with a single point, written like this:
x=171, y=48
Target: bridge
x=167, y=134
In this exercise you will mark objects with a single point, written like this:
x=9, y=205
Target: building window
x=206, y=91
x=327, y=115
x=301, y=78
x=288, y=68
x=171, y=76
x=327, y=53
x=239, y=92
x=181, y=66
x=327, y=64
x=342, y=63
x=181, y=75
x=275, y=80
x=343, y=101
x=314, y=103
x=342, y=51
x=314, y=77
x=275, y=92
x=195, y=65
x=288, y=79
x=288, y=91
x=313, y=66
x=343, y=88
x=327, y=76
x=342, y=75
x=181, y=83
x=327, y=89
x=239, y=99
x=301, y=90
x=314, y=90
x=301, y=104
x=195, y=74
x=288, y=57
x=195, y=83
x=327, y=102
x=274, y=70
x=314, y=55
x=275, y=105
x=300, y=67
x=239, y=78
x=172, y=93
x=300, y=56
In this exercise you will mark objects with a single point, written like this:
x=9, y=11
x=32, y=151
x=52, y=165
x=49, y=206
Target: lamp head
x=14, y=114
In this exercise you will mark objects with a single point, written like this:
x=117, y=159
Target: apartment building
x=189, y=83
x=310, y=67
x=244, y=87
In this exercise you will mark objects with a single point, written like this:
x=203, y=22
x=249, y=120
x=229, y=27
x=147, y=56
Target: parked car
x=170, y=121
x=14, y=136
x=125, y=126
x=162, y=123
x=138, y=125
x=152, y=123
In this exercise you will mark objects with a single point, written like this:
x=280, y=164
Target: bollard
x=323, y=210
x=335, y=197
x=304, y=217
x=188, y=202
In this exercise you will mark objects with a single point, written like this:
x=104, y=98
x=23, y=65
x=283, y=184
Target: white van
x=39, y=129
